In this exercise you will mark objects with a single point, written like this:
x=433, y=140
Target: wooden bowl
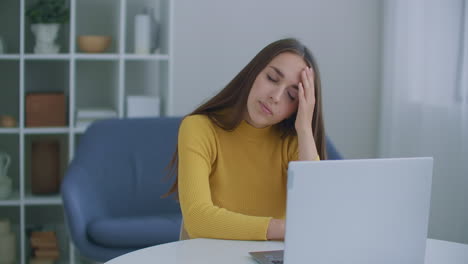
x=94, y=43
x=7, y=121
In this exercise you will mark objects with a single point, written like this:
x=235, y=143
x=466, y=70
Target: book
x=95, y=113
x=44, y=234
x=47, y=253
x=41, y=261
x=43, y=243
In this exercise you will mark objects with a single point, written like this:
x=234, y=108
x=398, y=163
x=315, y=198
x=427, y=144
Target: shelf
x=131, y=57
x=13, y=200
x=85, y=56
x=9, y=56
x=143, y=77
x=97, y=84
x=9, y=130
x=31, y=199
x=156, y=57
x=47, y=56
x=43, y=75
x=46, y=130
x=99, y=18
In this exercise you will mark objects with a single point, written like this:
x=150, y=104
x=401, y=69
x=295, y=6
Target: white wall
x=214, y=39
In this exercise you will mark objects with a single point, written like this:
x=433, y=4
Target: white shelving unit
x=87, y=80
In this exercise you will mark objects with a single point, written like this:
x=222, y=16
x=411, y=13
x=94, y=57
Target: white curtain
x=425, y=101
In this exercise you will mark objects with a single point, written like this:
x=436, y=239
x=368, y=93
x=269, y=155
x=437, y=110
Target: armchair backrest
x=125, y=163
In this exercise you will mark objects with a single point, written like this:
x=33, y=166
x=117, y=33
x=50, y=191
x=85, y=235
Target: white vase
x=142, y=34
x=45, y=38
x=5, y=187
x=5, y=181
x=7, y=243
x=146, y=32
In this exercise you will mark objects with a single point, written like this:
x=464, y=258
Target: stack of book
x=45, y=247
x=86, y=116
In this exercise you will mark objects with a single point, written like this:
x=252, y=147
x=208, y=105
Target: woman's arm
x=276, y=229
x=306, y=142
x=305, y=111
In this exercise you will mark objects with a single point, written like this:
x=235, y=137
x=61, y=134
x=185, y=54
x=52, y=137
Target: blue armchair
x=111, y=191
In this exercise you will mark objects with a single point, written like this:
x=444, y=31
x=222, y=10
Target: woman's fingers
x=308, y=85
x=301, y=93
x=312, y=83
x=305, y=82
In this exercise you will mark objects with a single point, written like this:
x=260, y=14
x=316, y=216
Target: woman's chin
x=260, y=123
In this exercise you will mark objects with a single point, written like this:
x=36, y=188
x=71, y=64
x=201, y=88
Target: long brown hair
x=234, y=97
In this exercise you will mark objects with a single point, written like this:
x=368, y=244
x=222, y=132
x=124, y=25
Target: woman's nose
x=275, y=94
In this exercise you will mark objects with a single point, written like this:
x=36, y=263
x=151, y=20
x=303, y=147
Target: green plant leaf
x=48, y=11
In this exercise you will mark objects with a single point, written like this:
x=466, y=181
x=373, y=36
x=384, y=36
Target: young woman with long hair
x=233, y=151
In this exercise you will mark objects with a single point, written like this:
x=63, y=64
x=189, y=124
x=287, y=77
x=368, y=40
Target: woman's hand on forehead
x=306, y=96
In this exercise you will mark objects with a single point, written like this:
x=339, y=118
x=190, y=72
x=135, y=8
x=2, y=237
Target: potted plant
x=45, y=17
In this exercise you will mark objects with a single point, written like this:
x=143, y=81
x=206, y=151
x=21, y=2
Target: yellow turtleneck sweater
x=231, y=183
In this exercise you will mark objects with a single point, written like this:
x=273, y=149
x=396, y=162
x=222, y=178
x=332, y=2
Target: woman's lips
x=265, y=109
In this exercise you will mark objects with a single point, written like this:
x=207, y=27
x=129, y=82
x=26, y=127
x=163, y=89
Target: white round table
x=212, y=251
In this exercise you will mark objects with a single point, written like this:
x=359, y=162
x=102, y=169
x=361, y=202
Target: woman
x=233, y=151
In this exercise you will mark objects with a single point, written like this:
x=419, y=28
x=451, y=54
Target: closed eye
x=271, y=79
x=292, y=93
x=293, y=98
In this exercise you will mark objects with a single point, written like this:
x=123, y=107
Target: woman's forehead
x=289, y=59
x=289, y=64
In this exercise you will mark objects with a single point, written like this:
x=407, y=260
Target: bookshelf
x=98, y=80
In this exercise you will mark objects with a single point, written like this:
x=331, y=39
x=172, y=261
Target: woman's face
x=274, y=93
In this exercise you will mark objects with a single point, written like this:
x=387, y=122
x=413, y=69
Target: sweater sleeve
x=197, y=154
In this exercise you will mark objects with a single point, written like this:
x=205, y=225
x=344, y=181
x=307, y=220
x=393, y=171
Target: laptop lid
x=358, y=211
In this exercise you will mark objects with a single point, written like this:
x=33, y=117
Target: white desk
x=211, y=251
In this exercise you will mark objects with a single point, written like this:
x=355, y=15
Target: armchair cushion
x=134, y=232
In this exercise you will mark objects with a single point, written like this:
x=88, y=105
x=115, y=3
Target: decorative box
x=45, y=109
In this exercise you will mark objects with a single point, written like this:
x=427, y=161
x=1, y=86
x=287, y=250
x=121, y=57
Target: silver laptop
x=356, y=211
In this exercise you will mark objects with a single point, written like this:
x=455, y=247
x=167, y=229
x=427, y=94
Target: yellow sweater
x=232, y=183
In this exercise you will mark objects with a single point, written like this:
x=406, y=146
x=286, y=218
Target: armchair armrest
x=81, y=207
